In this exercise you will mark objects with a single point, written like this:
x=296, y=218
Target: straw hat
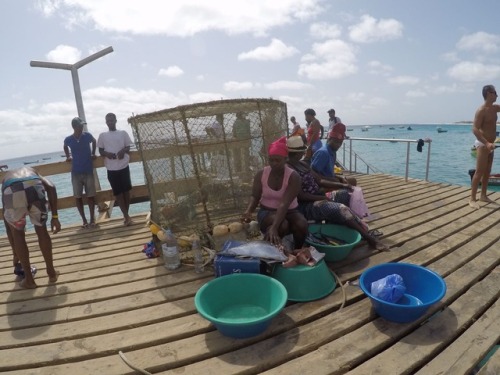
x=295, y=144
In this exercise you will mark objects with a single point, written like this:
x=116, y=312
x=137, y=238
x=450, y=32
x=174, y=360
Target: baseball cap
x=338, y=131
x=77, y=121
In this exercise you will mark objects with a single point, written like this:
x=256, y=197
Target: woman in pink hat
x=275, y=190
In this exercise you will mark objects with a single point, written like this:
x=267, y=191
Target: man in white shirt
x=333, y=119
x=114, y=147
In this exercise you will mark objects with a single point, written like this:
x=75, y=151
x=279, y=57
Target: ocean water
x=450, y=161
x=450, y=158
x=62, y=182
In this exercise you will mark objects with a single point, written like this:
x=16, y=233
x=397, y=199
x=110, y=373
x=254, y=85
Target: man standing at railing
x=114, y=147
x=333, y=119
x=82, y=146
x=484, y=128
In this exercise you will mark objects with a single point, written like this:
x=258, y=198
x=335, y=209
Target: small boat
x=401, y=127
x=493, y=180
x=409, y=128
x=31, y=162
x=46, y=158
x=349, y=129
x=365, y=128
x=441, y=130
x=392, y=128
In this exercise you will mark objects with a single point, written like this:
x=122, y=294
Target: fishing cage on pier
x=199, y=160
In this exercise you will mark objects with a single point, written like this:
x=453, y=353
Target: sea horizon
x=450, y=160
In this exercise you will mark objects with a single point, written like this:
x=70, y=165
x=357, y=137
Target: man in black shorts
x=114, y=147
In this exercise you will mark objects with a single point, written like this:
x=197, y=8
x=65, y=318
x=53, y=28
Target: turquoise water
x=62, y=182
x=450, y=158
x=450, y=161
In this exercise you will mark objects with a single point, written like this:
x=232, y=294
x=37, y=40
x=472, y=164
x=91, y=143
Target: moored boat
x=441, y=130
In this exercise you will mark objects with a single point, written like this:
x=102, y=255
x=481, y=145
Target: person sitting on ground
x=313, y=202
x=23, y=194
x=275, y=189
x=323, y=160
x=314, y=133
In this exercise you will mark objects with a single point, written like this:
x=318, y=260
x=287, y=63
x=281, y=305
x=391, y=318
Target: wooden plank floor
x=110, y=297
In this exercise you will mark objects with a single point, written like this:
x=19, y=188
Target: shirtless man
x=484, y=128
x=23, y=194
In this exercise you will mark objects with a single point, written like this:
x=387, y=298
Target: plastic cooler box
x=227, y=265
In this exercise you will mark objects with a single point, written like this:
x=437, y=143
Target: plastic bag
x=357, y=203
x=391, y=288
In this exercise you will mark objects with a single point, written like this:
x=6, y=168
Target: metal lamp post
x=76, y=87
x=74, y=75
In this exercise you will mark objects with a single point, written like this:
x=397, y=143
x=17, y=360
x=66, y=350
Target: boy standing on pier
x=484, y=129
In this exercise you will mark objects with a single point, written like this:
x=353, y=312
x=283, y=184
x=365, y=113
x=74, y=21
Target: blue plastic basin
x=424, y=288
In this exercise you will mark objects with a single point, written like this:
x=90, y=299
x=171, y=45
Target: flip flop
x=375, y=233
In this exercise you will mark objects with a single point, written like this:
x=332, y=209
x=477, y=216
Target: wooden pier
x=111, y=298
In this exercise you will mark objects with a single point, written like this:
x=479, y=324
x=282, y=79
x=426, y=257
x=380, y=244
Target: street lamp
x=74, y=75
x=76, y=87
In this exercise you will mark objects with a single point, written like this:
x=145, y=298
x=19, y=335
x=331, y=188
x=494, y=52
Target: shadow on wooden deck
x=110, y=297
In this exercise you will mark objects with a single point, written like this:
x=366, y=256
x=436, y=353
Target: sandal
x=375, y=233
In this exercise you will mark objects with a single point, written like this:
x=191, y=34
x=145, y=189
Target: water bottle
x=170, y=251
x=198, y=257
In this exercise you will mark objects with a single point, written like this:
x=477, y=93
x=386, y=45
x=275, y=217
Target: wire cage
x=199, y=160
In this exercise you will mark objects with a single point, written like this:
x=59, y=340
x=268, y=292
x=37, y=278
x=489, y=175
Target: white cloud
x=450, y=56
x=181, y=18
x=287, y=85
x=64, y=54
x=171, y=71
x=356, y=96
x=377, y=68
x=200, y=77
x=276, y=50
x=323, y=30
x=480, y=41
x=237, y=86
x=404, y=80
x=206, y=97
x=468, y=71
x=370, y=30
x=329, y=60
x=416, y=94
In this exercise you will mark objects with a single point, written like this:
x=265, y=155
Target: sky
x=374, y=62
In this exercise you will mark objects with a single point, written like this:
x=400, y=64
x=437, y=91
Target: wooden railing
x=104, y=198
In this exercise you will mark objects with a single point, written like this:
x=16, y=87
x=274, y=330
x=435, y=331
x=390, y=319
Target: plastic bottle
x=170, y=252
x=198, y=257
